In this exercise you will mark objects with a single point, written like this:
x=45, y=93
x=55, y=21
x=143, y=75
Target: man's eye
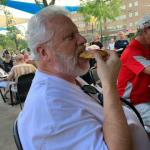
x=71, y=37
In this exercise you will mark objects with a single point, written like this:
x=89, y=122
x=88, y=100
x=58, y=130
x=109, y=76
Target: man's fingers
x=97, y=56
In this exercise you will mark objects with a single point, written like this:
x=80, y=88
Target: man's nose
x=81, y=39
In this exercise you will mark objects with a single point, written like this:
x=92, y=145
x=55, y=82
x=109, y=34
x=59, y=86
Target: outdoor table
x=3, y=85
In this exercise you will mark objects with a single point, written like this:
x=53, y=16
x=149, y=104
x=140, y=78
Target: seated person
x=58, y=114
x=20, y=68
x=7, y=61
x=28, y=58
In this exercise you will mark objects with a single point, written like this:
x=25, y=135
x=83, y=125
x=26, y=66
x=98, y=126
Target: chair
x=23, y=86
x=96, y=79
x=132, y=107
x=91, y=77
x=96, y=89
x=16, y=136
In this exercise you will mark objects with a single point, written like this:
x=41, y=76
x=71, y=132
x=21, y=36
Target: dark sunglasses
x=92, y=90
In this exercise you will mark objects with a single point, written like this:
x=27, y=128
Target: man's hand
x=115, y=127
x=108, y=69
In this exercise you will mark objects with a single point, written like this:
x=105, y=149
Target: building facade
x=131, y=12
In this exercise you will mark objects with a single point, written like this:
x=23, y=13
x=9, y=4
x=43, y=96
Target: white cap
x=144, y=22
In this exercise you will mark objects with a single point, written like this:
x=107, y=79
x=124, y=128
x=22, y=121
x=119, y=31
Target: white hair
x=37, y=32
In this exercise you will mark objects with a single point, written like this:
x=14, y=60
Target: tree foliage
x=3, y=2
x=10, y=40
x=101, y=9
x=7, y=42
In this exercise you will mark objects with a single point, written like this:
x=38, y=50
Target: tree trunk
x=105, y=28
x=101, y=30
x=45, y=3
x=16, y=42
x=52, y=2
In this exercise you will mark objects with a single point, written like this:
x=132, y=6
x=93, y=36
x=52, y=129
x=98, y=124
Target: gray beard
x=68, y=65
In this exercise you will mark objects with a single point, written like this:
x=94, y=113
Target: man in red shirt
x=134, y=76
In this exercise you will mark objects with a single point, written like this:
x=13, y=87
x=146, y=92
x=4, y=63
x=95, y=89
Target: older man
x=20, y=68
x=134, y=76
x=58, y=114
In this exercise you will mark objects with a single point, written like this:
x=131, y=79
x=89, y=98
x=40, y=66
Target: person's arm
x=138, y=64
x=116, y=131
x=11, y=75
x=147, y=70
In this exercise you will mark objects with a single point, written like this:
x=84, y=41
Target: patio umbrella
x=15, y=21
x=17, y=16
x=22, y=10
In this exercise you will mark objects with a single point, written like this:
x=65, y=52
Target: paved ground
x=8, y=114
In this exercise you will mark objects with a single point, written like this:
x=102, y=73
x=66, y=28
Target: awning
x=22, y=10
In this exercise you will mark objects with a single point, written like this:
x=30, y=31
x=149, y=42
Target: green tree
x=3, y=2
x=12, y=30
x=10, y=41
x=7, y=42
x=103, y=10
x=10, y=25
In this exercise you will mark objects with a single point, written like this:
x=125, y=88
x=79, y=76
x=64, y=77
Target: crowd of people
x=15, y=66
x=58, y=113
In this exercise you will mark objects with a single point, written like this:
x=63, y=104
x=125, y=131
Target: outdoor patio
x=8, y=114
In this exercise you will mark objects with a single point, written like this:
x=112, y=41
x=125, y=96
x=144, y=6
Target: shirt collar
x=137, y=44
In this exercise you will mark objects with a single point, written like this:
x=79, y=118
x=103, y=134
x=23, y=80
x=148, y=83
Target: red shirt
x=133, y=83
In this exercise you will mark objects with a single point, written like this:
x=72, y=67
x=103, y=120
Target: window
x=130, y=15
x=123, y=17
x=119, y=26
x=117, y=18
x=81, y=25
x=136, y=13
x=74, y=19
x=131, y=24
x=123, y=7
x=110, y=28
x=110, y=20
x=136, y=23
x=136, y=3
x=130, y=4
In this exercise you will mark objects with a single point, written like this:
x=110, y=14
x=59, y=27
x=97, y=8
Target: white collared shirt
x=58, y=115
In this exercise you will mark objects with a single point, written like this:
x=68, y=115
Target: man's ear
x=145, y=29
x=42, y=53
